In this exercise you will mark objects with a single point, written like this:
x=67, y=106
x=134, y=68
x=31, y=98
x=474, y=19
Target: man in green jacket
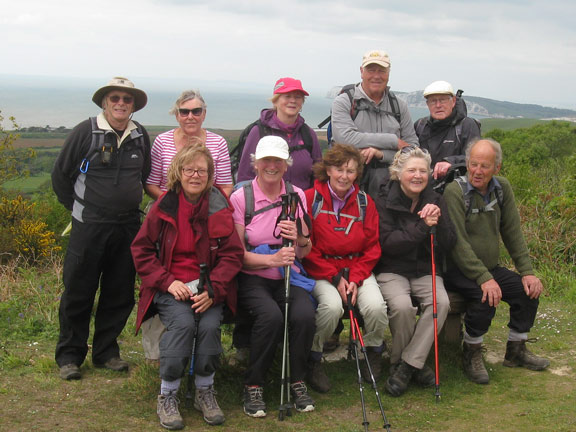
x=482, y=208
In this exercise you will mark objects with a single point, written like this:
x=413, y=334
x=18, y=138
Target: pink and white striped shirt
x=164, y=150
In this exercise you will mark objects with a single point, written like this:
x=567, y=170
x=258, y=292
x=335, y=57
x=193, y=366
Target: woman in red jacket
x=344, y=235
x=189, y=225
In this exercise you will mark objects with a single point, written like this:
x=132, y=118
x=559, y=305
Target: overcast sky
x=516, y=50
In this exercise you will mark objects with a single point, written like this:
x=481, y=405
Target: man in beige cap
x=99, y=176
x=370, y=117
x=448, y=129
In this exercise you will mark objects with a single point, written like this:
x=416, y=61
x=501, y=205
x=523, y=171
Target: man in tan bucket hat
x=99, y=176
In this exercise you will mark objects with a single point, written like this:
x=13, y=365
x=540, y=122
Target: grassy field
x=34, y=398
x=28, y=184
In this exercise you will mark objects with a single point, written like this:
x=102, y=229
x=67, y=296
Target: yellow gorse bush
x=21, y=235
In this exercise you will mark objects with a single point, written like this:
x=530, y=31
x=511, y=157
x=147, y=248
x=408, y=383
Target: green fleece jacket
x=477, y=246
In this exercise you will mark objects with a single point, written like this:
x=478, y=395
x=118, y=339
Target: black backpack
x=348, y=89
x=236, y=152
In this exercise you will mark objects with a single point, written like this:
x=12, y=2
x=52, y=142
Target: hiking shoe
x=115, y=364
x=331, y=344
x=70, y=372
x=518, y=355
x=424, y=377
x=254, y=405
x=168, y=413
x=375, y=360
x=302, y=400
x=317, y=378
x=397, y=383
x=473, y=363
x=205, y=401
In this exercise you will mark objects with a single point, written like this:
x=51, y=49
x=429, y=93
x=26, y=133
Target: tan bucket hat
x=123, y=84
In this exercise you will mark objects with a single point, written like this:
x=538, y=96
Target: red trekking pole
x=435, y=311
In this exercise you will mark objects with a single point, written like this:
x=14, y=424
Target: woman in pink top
x=190, y=112
x=261, y=289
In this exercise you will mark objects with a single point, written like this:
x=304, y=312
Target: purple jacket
x=300, y=173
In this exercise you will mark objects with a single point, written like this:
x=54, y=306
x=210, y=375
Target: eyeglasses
x=440, y=100
x=189, y=172
x=115, y=99
x=196, y=112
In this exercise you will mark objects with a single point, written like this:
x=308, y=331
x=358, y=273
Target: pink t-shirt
x=261, y=229
x=164, y=150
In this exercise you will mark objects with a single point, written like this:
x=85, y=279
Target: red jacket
x=220, y=249
x=329, y=238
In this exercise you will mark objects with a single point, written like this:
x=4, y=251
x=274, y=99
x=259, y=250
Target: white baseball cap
x=272, y=146
x=439, y=87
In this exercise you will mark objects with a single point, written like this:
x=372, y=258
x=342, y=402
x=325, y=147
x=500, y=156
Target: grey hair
x=185, y=97
x=403, y=155
x=495, y=146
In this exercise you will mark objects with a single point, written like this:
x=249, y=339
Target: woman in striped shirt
x=190, y=112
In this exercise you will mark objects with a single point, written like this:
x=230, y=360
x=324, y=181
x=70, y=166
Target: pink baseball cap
x=287, y=85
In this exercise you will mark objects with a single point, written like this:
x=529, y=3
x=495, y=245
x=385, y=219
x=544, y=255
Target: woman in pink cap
x=284, y=120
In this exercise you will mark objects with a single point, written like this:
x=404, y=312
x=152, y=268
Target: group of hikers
x=289, y=244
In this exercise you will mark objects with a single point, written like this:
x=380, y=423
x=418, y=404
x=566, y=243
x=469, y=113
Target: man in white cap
x=447, y=131
x=371, y=118
x=99, y=176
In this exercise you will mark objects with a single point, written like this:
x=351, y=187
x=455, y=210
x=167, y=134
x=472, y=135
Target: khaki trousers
x=412, y=337
x=370, y=304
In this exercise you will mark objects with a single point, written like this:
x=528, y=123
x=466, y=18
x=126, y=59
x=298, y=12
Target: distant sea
x=57, y=104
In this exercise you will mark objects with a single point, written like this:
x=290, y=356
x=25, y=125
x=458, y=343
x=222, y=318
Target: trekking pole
x=285, y=408
x=357, y=336
x=435, y=312
x=353, y=350
x=200, y=288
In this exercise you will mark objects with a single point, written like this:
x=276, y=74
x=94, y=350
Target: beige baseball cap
x=377, y=57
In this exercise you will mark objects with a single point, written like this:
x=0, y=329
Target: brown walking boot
x=518, y=355
x=473, y=363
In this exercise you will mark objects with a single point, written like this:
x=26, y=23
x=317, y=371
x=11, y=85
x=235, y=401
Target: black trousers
x=479, y=315
x=98, y=255
x=264, y=299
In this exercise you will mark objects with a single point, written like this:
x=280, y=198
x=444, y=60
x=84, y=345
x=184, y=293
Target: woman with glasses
x=284, y=120
x=409, y=209
x=190, y=112
x=188, y=226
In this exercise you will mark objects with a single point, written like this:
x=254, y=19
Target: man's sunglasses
x=127, y=99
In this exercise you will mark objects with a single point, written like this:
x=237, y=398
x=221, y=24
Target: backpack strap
x=394, y=105
x=361, y=201
x=499, y=199
x=420, y=125
x=306, y=139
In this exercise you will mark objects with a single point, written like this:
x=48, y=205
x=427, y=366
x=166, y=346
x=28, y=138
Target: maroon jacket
x=218, y=245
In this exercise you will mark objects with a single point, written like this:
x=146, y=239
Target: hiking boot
x=317, y=378
x=331, y=344
x=115, y=364
x=205, y=401
x=254, y=405
x=375, y=360
x=518, y=355
x=424, y=377
x=168, y=413
x=397, y=383
x=473, y=363
x=70, y=372
x=302, y=400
